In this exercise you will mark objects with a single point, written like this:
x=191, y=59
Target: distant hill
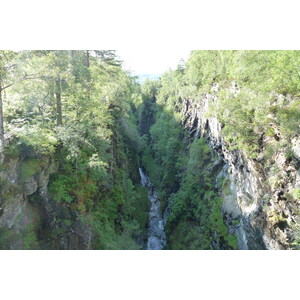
x=143, y=77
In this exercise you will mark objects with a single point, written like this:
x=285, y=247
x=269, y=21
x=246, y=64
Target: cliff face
x=258, y=202
x=29, y=218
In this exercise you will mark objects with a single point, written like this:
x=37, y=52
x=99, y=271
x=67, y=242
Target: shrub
x=42, y=140
x=296, y=194
x=60, y=188
x=29, y=168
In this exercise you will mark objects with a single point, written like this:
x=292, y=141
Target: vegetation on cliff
x=81, y=109
x=255, y=97
x=77, y=106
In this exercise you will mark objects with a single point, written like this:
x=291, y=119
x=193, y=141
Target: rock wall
x=29, y=218
x=257, y=203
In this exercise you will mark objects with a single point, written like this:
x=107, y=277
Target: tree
x=109, y=56
x=1, y=120
x=9, y=76
x=58, y=101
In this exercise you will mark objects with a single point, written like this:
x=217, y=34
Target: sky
x=152, y=61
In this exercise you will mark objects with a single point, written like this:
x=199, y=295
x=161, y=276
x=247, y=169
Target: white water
x=156, y=231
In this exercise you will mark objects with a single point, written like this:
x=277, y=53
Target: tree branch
x=26, y=77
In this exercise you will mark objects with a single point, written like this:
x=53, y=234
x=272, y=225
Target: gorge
x=156, y=234
x=206, y=157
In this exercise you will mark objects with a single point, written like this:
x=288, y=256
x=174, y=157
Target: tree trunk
x=87, y=62
x=89, y=74
x=58, y=101
x=1, y=122
x=74, y=69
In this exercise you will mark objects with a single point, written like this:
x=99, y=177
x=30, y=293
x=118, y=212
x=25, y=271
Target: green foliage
x=164, y=153
x=97, y=143
x=204, y=67
x=233, y=241
x=68, y=222
x=296, y=194
x=29, y=168
x=60, y=188
x=255, y=110
x=6, y=236
x=181, y=170
x=236, y=222
x=120, y=219
x=26, y=239
x=196, y=208
x=8, y=190
x=268, y=71
x=109, y=122
x=289, y=117
x=29, y=238
x=41, y=140
x=147, y=109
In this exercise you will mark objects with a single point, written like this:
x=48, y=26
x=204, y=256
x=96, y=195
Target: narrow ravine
x=156, y=231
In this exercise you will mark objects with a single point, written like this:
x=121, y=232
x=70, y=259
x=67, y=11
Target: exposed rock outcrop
x=258, y=202
x=29, y=215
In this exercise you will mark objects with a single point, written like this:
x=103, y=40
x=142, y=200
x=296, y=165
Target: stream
x=156, y=231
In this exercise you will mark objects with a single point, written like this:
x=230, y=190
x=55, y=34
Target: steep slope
x=218, y=138
x=184, y=170
x=258, y=201
x=69, y=168
x=251, y=125
x=36, y=212
x=30, y=218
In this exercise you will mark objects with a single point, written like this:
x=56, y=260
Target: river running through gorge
x=156, y=231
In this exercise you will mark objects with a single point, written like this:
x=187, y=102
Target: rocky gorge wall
x=29, y=218
x=258, y=202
